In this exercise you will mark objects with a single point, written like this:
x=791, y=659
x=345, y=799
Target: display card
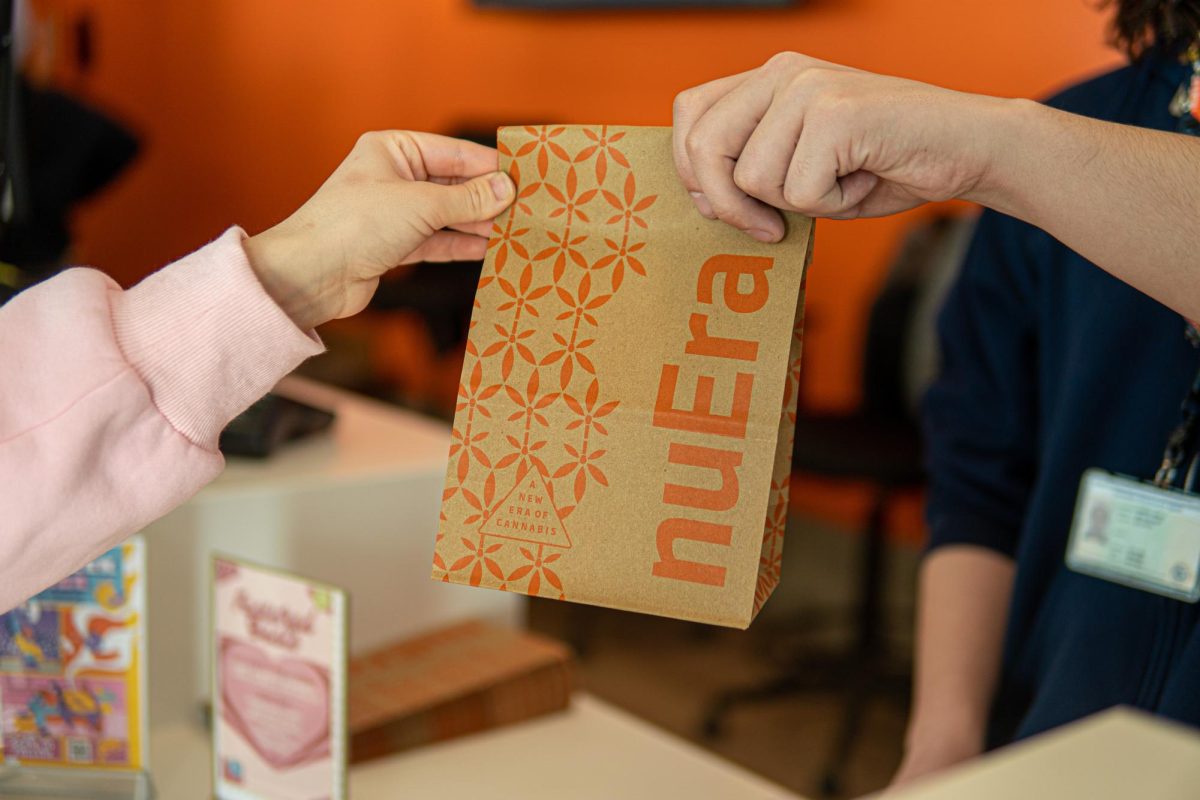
x=72, y=662
x=279, y=685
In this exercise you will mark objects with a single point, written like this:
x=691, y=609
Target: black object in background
x=12, y=177
x=274, y=420
x=442, y=294
x=70, y=151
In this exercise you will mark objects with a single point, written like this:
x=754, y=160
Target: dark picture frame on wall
x=576, y=5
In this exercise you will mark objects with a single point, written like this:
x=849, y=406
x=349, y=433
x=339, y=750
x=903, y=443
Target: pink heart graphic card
x=279, y=685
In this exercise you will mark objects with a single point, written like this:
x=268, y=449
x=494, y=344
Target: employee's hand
x=825, y=140
x=924, y=756
x=399, y=197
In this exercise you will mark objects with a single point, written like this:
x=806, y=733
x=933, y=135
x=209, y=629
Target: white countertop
x=591, y=750
x=1119, y=754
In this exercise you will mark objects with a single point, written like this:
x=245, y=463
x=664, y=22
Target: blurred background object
x=56, y=150
x=242, y=108
x=64, y=152
x=454, y=681
x=877, y=445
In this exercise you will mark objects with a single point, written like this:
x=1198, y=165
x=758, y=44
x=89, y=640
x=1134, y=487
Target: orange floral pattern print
x=577, y=225
x=771, y=560
x=602, y=149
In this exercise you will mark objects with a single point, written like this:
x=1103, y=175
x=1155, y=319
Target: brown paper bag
x=624, y=424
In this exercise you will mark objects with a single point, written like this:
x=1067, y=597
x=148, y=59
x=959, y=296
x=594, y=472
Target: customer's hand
x=825, y=140
x=399, y=197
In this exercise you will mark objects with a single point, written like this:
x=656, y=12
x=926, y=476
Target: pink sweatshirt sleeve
x=111, y=401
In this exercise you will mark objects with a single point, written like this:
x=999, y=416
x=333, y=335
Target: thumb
x=481, y=198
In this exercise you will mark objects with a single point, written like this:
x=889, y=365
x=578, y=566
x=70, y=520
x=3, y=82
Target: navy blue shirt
x=1052, y=366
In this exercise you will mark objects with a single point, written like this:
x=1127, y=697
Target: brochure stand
x=50, y=783
x=73, y=720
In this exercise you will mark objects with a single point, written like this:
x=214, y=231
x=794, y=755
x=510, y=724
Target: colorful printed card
x=72, y=687
x=279, y=685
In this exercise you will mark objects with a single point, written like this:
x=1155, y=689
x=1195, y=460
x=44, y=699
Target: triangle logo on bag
x=528, y=514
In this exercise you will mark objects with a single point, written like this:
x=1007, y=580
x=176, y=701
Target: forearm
x=111, y=402
x=1126, y=198
x=962, y=612
x=800, y=134
x=79, y=483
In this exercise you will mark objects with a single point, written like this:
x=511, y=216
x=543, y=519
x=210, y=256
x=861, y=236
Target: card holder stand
x=19, y=782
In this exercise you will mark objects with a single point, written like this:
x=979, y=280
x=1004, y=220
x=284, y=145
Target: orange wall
x=245, y=105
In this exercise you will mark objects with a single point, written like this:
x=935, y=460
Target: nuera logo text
x=719, y=454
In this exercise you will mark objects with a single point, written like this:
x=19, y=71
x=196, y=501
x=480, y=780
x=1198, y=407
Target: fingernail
x=702, y=204
x=502, y=186
x=762, y=236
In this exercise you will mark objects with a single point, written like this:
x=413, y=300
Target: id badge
x=1137, y=534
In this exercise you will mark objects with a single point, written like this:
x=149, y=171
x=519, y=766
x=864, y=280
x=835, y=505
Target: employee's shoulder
x=1095, y=97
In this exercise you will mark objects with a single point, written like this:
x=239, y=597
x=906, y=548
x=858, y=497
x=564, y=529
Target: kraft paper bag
x=624, y=423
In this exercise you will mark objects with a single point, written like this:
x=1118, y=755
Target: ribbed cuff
x=207, y=339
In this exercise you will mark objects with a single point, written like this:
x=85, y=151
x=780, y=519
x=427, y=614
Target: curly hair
x=1169, y=25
